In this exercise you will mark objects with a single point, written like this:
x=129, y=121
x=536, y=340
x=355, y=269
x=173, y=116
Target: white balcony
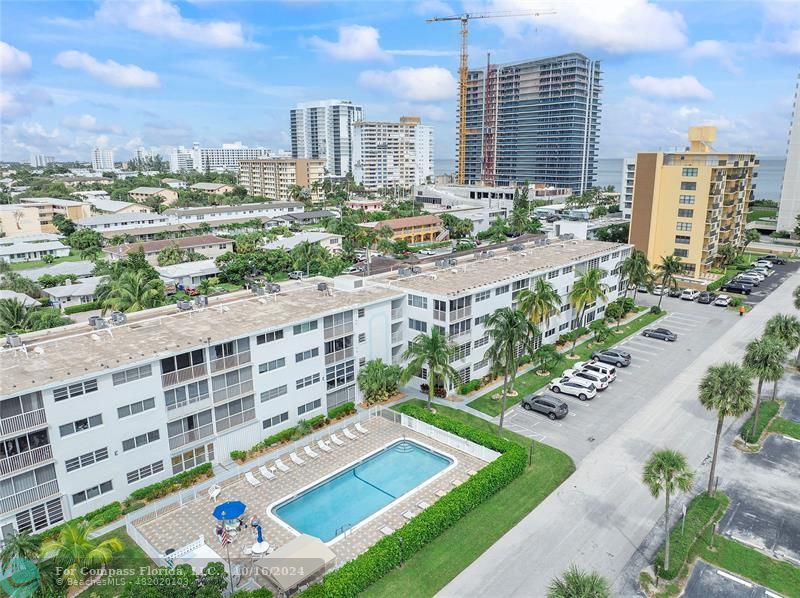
x=337, y=356
x=397, y=313
x=191, y=436
x=187, y=407
x=397, y=337
x=183, y=375
x=26, y=497
x=26, y=459
x=23, y=422
x=233, y=391
x=232, y=361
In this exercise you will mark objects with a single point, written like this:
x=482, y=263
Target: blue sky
x=125, y=73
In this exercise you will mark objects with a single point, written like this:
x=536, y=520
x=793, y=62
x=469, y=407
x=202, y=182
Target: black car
x=616, y=357
x=660, y=333
x=706, y=297
x=552, y=407
x=774, y=259
x=737, y=287
x=675, y=292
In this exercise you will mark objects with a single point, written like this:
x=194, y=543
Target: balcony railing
x=26, y=497
x=26, y=459
x=22, y=422
x=338, y=355
x=233, y=391
x=191, y=436
x=339, y=330
x=231, y=361
x=188, y=407
x=460, y=314
x=440, y=315
x=397, y=313
x=459, y=335
x=183, y=375
x=397, y=337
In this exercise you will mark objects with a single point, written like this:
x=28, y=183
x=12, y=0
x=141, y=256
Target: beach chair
x=266, y=473
x=251, y=479
x=348, y=434
x=324, y=446
x=422, y=505
x=457, y=482
x=213, y=492
x=441, y=493
x=361, y=428
x=310, y=452
x=296, y=460
x=471, y=472
x=387, y=530
x=335, y=440
x=409, y=515
x=281, y=466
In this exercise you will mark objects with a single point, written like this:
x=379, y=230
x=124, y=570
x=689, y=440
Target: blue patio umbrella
x=233, y=509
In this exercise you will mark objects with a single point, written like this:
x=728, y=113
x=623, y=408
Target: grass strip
x=73, y=257
x=787, y=427
x=766, y=411
x=530, y=382
x=123, y=567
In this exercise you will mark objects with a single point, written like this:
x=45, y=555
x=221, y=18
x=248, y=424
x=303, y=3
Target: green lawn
x=529, y=382
x=438, y=563
x=766, y=411
x=787, y=427
x=73, y=257
x=758, y=213
x=131, y=557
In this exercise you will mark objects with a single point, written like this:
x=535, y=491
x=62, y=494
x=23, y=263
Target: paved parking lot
x=707, y=581
x=780, y=273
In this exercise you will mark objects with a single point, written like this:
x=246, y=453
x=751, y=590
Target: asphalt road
x=780, y=274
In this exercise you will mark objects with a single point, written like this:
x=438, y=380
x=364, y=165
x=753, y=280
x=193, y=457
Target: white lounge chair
x=296, y=460
x=251, y=479
x=471, y=472
x=266, y=473
x=324, y=446
x=387, y=530
x=441, y=493
x=335, y=439
x=310, y=452
x=349, y=434
x=361, y=428
x=457, y=482
x=422, y=505
x=213, y=492
x=281, y=466
x=409, y=515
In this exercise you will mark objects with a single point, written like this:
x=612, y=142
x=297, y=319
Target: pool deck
x=186, y=524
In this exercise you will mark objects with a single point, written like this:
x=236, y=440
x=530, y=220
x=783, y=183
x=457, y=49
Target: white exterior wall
x=392, y=153
x=315, y=127
x=626, y=187
x=102, y=159
x=789, y=206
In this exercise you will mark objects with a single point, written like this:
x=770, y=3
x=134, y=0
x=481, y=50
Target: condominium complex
x=388, y=154
x=214, y=159
x=275, y=178
x=789, y=208
x=535, y=120
x=49, y=207
x=40, y=160
x=89, y=416
x=323, y=131
x=690, y=203
x=626, y=187
x=102, y=160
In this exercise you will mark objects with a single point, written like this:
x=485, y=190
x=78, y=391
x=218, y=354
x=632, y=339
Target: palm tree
x=385, y=244
x=91, y=253
x=431, y=352
x=764, y=357
x=750, y=236
x=306, y=253
x=667, y=471
x=540, y=302
x=726, y=254
x=586, y=290
x=14, y=316
x=575, y=583
x=785, y=328
x=728, y=390
x=668, y=269
x=22, y=546
x=634, y=270
x=74, y=550
x=511, y=333
x=132, y=291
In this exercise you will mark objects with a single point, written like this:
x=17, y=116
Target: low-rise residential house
x=414, y=229
x=215, y=188
x=246, y=210
x=209, y=246
x=81, y=269
x=83, y=290
x=14, y=252
x=174, y=183
x=313, y=217
x=188, y=274
x=143, y=194
x=49, y=207
x=74, y=181
x=91, y=196
x=368, y=205
x=329, y=241
x=110, y=206
x=26, y=300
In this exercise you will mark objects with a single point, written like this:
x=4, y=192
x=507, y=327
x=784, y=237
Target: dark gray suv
x=616, y=357
x=551, y=406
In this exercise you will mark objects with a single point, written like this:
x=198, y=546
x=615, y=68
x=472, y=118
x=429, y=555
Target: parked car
x=600, y=381
x=737, y=287
x=660, y=333
x=774, y=259
x=609, y=371
x=658, y=290
x=553, y=218
x=551, y=406
x=675, y=292
x=706, y=297
x=351, y=270
x=427, y=252
x=689, y=294
x=579, y=387
x=619, y=358
x=763, y=271
x=642, y=288
x=722, y=301
x=752, y=280
x=296, y=274
x=764, y=264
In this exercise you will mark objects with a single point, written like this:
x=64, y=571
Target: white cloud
x=687, y=111
x=670, y=87
x=12, y=60
x=356, y=42
x=415, y=84
x=782, y=21
x=113, y=73
x=161, y=18
x=724, y=52
x=87, y=122
x=616, y=26
x=12, y=106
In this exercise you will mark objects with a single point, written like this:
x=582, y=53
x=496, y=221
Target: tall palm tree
x=432, y=352
x=635, y=269
x=667, y=471
x=91, y=253
x=785, y=328
x=132, y=291
x=586, y=290
x=307, y=253
x=14, y=316
x=668, y=270
x=540, y=302
x=22, y=546
x=511, y=334
x=764, y=357
x=728, y=390
x=574, y=583
x=74, y=550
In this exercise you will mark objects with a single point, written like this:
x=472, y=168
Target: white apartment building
x=626, y=187
x=214, y=159
x=102, y=160
x=181, y=159
x=323, y=130
x=388, y=154
x=789, y=207
x=41, y=161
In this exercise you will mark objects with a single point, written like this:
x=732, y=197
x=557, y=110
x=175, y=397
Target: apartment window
x=681, y=252
x=481, y=364
x=235, y=413
x=93, y=492
x=689, y=172
x=604, y=258
x=482, y=296
x=362, y=337
x=552, y=274
x=182, y=361
x=566, y=306
x=186, y=395
x=682, y=239
x=461, y=352
x=304, y=327
x=136, y=407
x=74, y=390
x=307, y=354
x=343, y=395
x=131, y=375
x=502, y=289
x=461, y=327
x=520, y=284
x=86, y=459
x=481, y=341
x=316, y=404
x=687, y=226
x=145, y=472
x=688, y=186
x=340, y=374
x=686, y=199
x=230, y=348
x=192, y=458
x=361, y=312
x=685, y=213
x=80, y=425
x=274, y=393
x=417, y=325
x=40, y=517
x=269, y=337
x=417, y=301
x=563, y=326
x=307, y=381
x=550, y=332
x=362, y=361
x=140, y=440
x=275, y=420
x=272, y=365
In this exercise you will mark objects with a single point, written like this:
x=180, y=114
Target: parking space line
x=681, y=327
x=727, y=575
x=639, y=348
x=680, y=314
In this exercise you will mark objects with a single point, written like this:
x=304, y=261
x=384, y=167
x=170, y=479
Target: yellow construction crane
x=464, y=69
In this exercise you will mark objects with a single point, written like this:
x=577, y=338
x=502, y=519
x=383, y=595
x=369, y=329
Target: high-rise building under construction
x=535, y=121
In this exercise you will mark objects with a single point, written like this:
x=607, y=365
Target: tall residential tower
x=386, y=154
x=790, y=190
x=323, y=131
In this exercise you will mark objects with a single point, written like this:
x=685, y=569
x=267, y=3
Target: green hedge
x=176, y=482
x=102, y=516
x=76, y=309
x=468, y=387
x=391, y=551
x=766, y=411
x=342, y=410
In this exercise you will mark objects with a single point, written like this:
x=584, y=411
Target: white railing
x=339, y=355
x=338, y=330
x=461, y=313
x=26, y=459
x=189, y=548
x=148, y=548
x=20, y=499
x=183, y=375
x=187, y=407
x=233, y=391
x=446, y=438
x=191, y=436
x=397, y=337
x=397, y=313
x=23, y=421
x=232, y=361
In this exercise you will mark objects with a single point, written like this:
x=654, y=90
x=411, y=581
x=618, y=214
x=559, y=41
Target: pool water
x=342, y=501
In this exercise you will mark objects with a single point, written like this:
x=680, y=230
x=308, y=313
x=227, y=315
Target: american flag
x=225, y=538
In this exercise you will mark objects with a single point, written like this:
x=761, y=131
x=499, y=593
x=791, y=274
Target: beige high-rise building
x=275, y=177
x=691, y=203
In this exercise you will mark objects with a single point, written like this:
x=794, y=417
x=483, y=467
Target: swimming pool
x=352, y=495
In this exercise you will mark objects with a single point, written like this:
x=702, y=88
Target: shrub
x=238, y=455
x=75, y=309
x=439, y=391
x=780, y=234
x=766, y=412
x=317, y=422
x=567, y=337
x=626, y=303
x=102, y=516
x=714, y=286
x=389, y=552
x=378, y=381
x=582, y=331
x=132, y=506
x=176, y=482
x=274, y=439
x=468, y=387
x=342, y=410
x=736, y=301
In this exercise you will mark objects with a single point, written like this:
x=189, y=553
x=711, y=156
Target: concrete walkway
x=599, y=517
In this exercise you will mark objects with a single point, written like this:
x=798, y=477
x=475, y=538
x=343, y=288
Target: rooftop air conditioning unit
x=416, y=270
x=100, y=323
x=201, y=300
x=322, y=287
x=184, y=305
x=93, y=319
x=452, y=262
x=13, y=340
x=117, y=317
x=517, y=247
x=273, y=288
